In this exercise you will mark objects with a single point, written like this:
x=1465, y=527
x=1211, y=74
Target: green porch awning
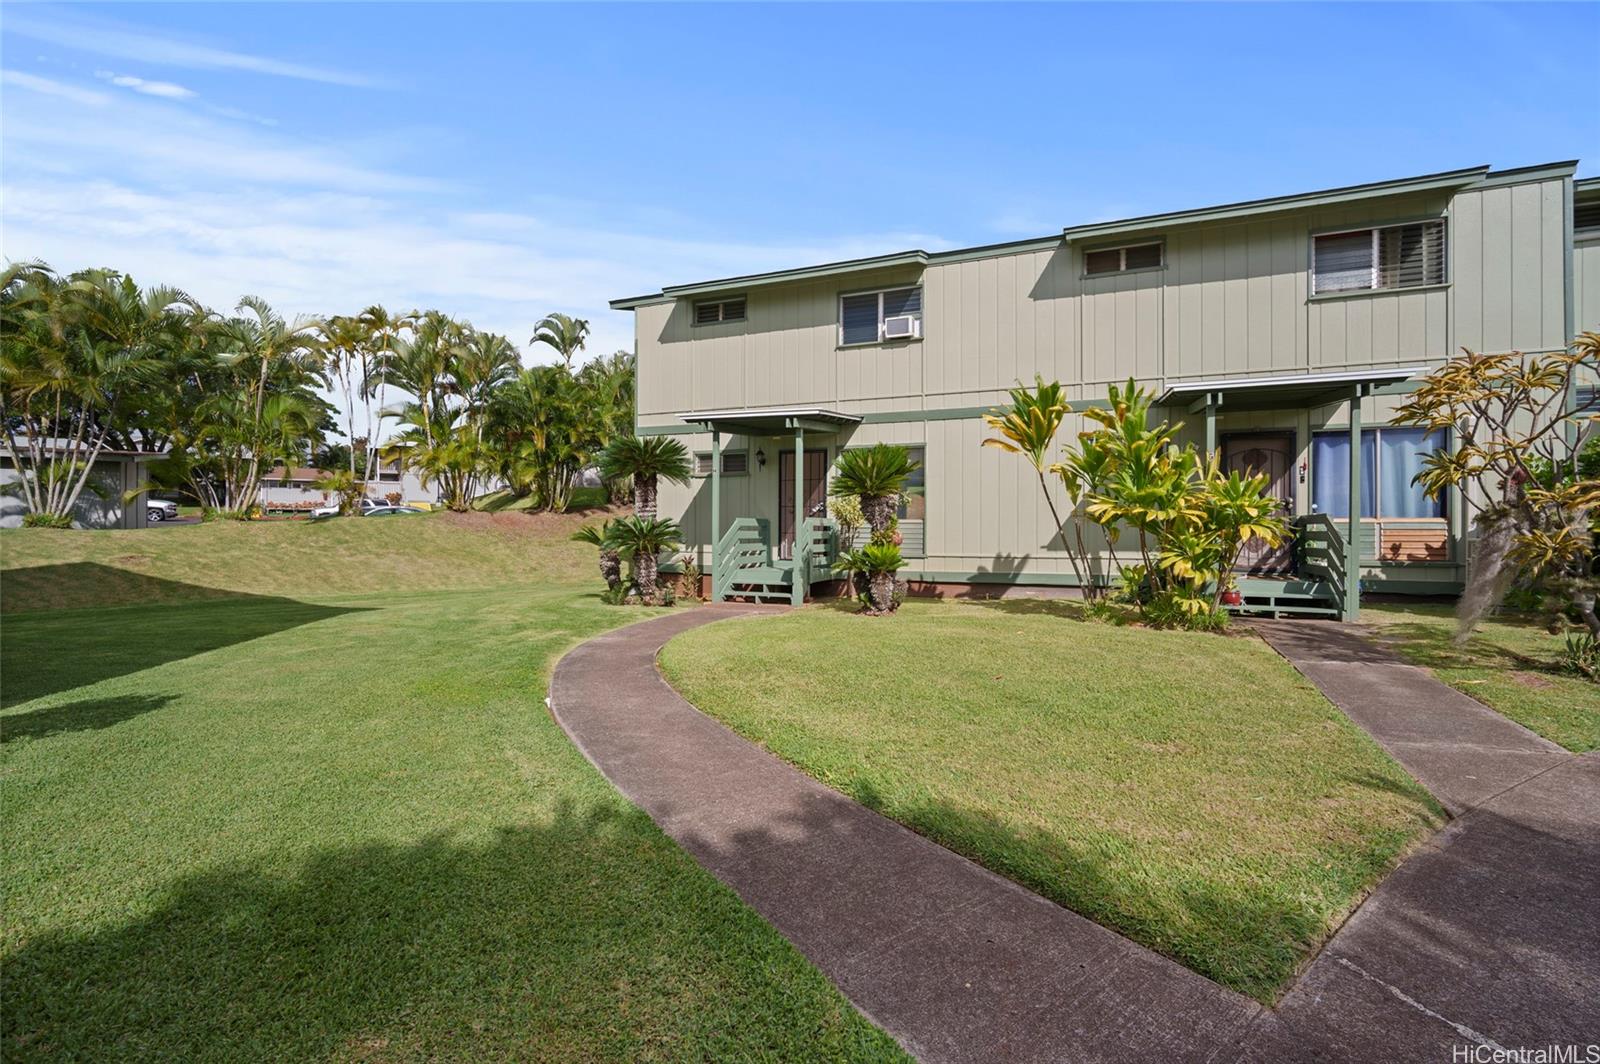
x=1286, y=390
x=771, y=421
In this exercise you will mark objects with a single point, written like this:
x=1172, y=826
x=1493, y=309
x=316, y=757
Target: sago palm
x=876, y=474
x=877, y=563
x=645, y=539
x=646, y=460
x=610, y=560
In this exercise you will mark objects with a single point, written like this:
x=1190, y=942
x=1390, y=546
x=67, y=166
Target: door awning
x=772, y=421
x=1299, y=389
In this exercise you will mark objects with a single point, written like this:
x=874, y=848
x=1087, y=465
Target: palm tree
x=878, y=475
x=646, y=459
x=78, y=356
x=565, y=334
x=610, y=561
x=270, y=351
x=644, y=539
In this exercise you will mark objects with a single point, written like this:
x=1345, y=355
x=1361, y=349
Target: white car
x=158, y=510
x=332, y=509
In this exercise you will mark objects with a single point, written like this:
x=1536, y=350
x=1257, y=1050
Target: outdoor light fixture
x=761, y=458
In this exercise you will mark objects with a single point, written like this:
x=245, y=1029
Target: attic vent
x=1586, y=215
x=714, y=311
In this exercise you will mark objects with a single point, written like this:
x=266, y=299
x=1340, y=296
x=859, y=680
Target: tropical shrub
x=876, y=564
x=342, y=483
x=36, y=519
x=1192, y=520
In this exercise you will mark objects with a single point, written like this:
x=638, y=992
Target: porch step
x=1299, y=597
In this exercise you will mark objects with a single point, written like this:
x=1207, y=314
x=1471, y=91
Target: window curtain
x=1402, y=452
x=1330, y=474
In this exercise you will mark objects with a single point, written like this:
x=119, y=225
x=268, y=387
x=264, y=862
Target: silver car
x=158, y=510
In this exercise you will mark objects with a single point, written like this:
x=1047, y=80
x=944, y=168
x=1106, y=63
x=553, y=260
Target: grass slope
x=1509, y=664
x=1191, y=792
x=56, y=569
x=264, y=828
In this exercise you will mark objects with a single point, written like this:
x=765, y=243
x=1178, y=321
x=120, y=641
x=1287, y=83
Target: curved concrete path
x=959, y=964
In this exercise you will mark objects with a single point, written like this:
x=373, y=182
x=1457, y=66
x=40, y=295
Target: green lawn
x=52, y=569
x=287, y=827
x=1510, y=664
x=1192, y=792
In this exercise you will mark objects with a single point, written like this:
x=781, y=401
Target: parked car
x=332, y=509
x=391, y=511
x=158, y=510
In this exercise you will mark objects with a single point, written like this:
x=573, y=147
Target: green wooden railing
x=746, y=545
x=1320, y=552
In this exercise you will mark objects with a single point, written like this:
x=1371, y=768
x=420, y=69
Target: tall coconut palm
x=646, y=460
x=610, y=560
x=645, y=539
x=878, y=475
x=346, y=341
x=564, y=333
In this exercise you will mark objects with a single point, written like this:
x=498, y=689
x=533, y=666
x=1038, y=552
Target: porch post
x=716, y=508
x=1352, y=547
x=1211, y=424
x=797, y=585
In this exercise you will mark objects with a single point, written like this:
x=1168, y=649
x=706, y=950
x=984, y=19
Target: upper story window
x=1122, y=259
x=713, y=311
x=871, y=317
x=1390, y=256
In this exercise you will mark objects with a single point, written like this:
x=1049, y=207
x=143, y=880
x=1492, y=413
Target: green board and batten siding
x=1232, y=300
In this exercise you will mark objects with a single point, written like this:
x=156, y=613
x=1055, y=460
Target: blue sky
x=502, y=161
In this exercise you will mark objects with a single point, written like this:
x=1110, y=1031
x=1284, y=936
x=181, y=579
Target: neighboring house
x=100, y=504
x=293, y=488
x=1283, y=331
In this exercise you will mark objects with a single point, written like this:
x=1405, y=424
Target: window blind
x=859, y=318
x=1396, y=256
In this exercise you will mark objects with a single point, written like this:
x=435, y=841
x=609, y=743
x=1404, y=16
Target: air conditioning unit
x=902, y=327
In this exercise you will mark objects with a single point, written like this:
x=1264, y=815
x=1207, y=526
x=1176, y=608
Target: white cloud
x=173, y=195
x=165, y=89
x=50, y=87
x=104, y=37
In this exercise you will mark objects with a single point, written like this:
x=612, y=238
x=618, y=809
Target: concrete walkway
x=1488, y=935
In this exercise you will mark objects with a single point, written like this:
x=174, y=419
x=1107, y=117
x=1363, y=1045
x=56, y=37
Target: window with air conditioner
x=1379, y=259
x=1143, y=256
x=875, y=317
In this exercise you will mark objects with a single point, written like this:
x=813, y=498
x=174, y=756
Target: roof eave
x=1247, y=208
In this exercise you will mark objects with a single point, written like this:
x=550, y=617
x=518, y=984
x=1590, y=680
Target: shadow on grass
x=1249, y=933
x=48, y=651
x=584, y=937
x=87, y=715
x=1429, y=645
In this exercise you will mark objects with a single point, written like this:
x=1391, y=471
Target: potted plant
x=1231, y=595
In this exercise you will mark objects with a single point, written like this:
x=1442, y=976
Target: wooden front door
x=816, y=494
x=1272, y=454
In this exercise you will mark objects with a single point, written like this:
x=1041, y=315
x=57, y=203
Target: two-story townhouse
x=1283, y=332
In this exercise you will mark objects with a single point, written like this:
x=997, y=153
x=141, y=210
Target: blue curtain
x=1330, y=474
x=1402, y=451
